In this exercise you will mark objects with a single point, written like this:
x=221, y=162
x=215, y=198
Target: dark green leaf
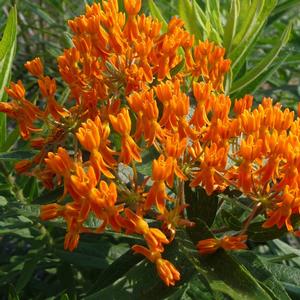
x=83, y=260
x=200, y=204
x=284, y=273
x=256, y=267
x=116, y=270
x=18, y=155
x=49, y=197
x=240, y=284
x=293, y=290
x=26, y=274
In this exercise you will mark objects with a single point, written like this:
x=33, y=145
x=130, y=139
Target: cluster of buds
x=129, y=99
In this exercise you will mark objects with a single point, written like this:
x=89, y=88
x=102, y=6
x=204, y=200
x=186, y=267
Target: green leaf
x=200, y=204
x=7, y=53
x=254, y=85
x=82, y=259
x=148, y=155
x=248, y=13
x=257, y=268
x=230, y=28
x=293, y=290
x=116, y=270
x=64, y=297
x=190, y=16
x=231, y=221
x=283, y=8
x=18, y=155
x=26, y=274
x=49, y=197
x=65, y=275
x=11, y=140
x=264, y=64
x=287, y=249
x=242, y=45
x=214, y=13
x=259, y=234
x=3, y=201
x=155, y=12
x=240, y=284
x=193, y=289
x=142, y=282
x=284, y=273
x=12, y=293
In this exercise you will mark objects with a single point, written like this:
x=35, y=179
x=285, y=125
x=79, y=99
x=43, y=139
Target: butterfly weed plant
x=150, y=148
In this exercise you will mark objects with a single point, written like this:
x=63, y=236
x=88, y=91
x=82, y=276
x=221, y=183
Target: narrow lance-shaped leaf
x=7, y=53
x=213, y=11
x=245, y=19
x=155, y=11
x=264, y=64
x=231, y=25
x=242, y=49
x=192, y=23
x=257, y=269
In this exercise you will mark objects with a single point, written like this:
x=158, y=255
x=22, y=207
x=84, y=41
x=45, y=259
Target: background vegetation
x=33, y=264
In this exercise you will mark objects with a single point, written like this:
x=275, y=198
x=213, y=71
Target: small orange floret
x=132, y=7
x=16, y=90
x=35, y=67
x=51, y=211
x=165, y=269
x=154, y=237
x=167, y=272
x=211, y=245
x=23, y=165
x=59, y=163
x=122, y=124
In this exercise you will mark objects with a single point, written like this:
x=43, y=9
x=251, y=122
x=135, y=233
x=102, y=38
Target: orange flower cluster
x=209, y=246
x=136, y=91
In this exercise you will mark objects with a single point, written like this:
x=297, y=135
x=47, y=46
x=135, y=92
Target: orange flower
x=208, y=61
x=93, y=135
x=122, y=124
x=81, y=184
x=48, y=88
x=214, y=159
x=174, y=149
x=243, y=104
x=144, y=105
x=166, y=270
x=288, y=203
x=174, y=218
x=161, y=170
x=132, y=7
x=35, y=67
x=60, y=163
x=204, y=97
x=23, y=165
x=104, y=206
x=211, y=245
x=153, y=236
x=16, y=90
x=21, y=109
x=51, y=211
